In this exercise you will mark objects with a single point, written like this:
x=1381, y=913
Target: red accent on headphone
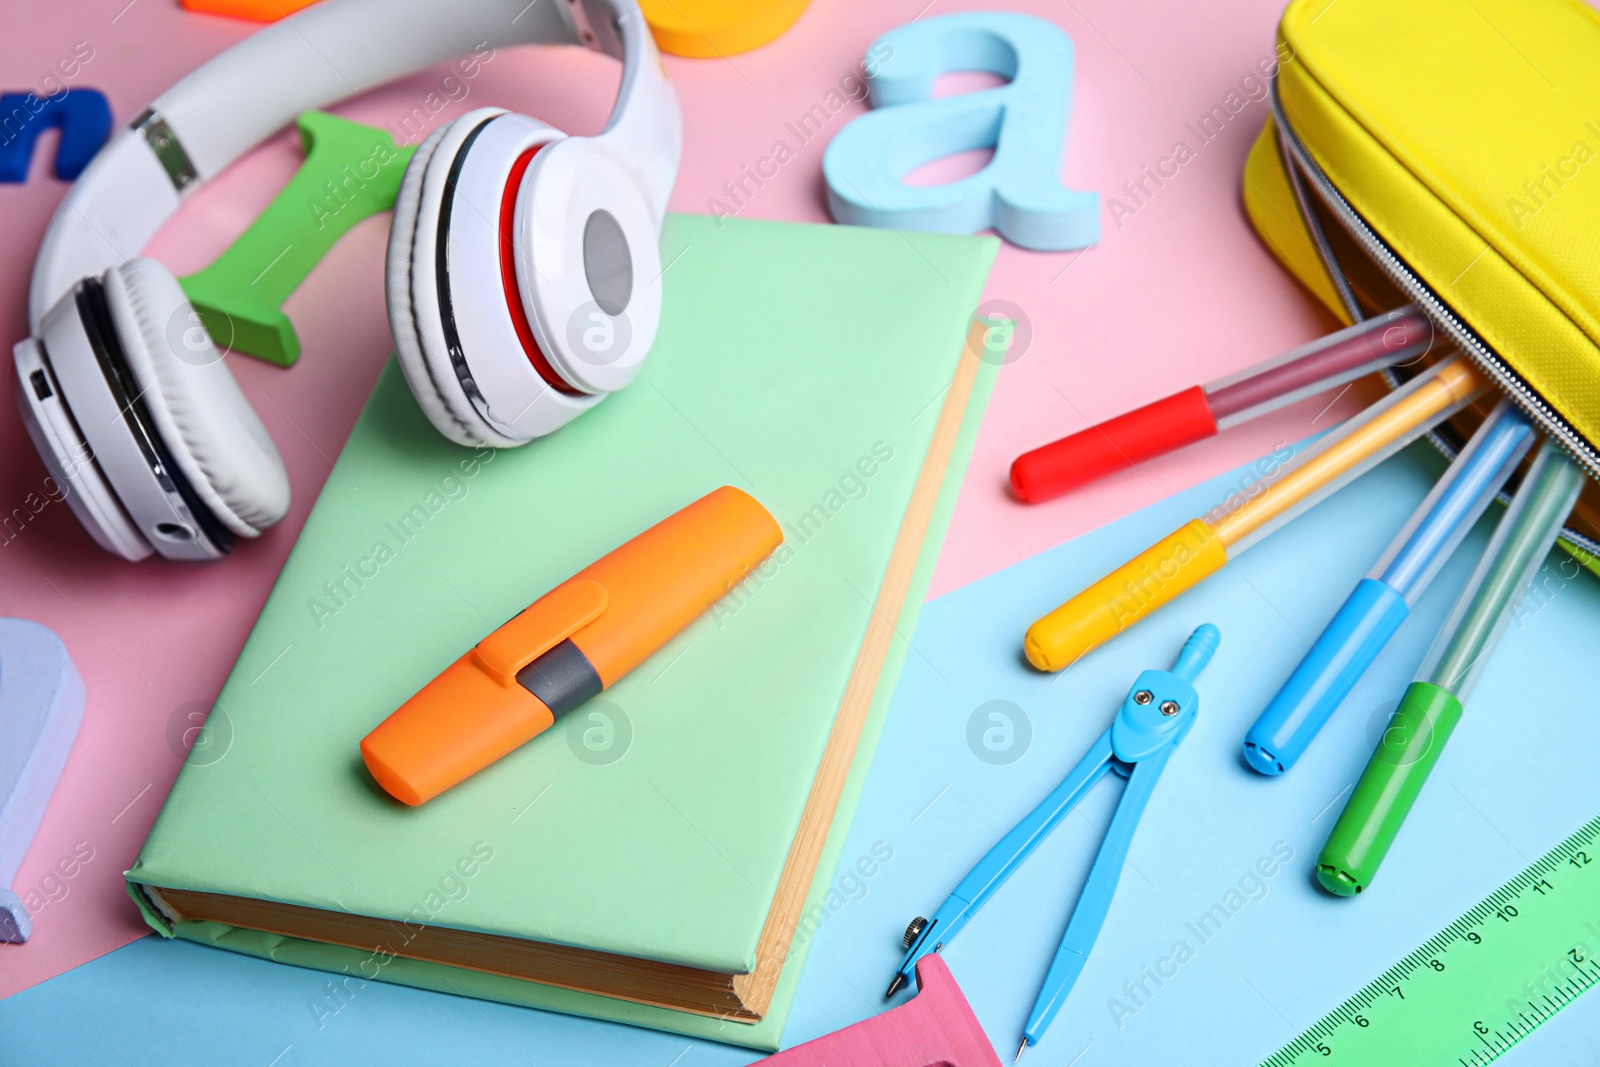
x=508, y=279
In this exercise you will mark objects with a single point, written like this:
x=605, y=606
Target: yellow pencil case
x=1446, y=153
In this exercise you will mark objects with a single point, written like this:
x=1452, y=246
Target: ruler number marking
x=1540, y=877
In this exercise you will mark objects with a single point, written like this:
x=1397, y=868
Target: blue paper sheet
x=1283, y=957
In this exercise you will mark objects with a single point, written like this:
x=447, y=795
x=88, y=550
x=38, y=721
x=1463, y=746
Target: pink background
x=1179, y=293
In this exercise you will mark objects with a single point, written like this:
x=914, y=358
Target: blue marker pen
x=1382, y=600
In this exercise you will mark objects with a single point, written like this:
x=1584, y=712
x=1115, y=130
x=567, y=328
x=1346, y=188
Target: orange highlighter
x=567, y=646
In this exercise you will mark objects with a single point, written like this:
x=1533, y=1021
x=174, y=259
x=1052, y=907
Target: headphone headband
x=320, y=55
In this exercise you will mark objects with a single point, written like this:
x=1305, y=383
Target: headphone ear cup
x=58, y=437
x=213, y=433
x=411, y=288
x=594, y=295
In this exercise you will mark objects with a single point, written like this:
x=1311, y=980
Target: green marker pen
x=1431, y=707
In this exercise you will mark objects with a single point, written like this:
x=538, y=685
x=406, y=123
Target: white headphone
x=523, y=274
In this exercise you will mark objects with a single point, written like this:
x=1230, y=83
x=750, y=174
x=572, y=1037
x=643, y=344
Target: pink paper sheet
x=1178, y=292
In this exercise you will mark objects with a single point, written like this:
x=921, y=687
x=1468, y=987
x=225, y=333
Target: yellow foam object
x=700, y=29
x=707, y=29
x=1172, y=566
x=253, y=10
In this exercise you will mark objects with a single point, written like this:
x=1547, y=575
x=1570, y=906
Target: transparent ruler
x=1481, y=984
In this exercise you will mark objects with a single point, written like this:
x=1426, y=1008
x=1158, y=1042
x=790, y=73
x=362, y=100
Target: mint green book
x=663, y=854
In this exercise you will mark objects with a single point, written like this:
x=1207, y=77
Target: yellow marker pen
x=1195, y=551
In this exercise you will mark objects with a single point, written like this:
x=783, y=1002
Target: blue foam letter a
x=1019, y=193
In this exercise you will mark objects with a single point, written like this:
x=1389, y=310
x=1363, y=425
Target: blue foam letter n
x=1019, y=193
x=82, y=115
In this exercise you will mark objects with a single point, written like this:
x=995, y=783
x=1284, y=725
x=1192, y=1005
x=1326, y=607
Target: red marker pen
x=1202, y=411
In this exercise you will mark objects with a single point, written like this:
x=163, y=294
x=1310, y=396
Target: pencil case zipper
x=1300, y=167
